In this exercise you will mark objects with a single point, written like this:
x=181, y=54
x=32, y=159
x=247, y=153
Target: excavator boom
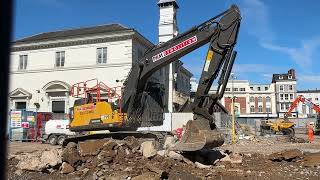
x=221, y=33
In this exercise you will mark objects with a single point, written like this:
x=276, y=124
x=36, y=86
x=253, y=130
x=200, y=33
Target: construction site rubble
x=133, y=158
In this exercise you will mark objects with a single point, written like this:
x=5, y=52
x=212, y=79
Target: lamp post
x=233, y=137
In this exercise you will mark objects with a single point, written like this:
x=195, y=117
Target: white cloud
x=310, y=79
x=255, y=17
x=301, y=56
x=256, y=20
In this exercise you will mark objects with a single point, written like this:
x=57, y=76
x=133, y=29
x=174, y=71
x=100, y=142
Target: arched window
x=259, y=99
x=252, y=109
x=268, y=99
x=251, y=99
x=260, y=109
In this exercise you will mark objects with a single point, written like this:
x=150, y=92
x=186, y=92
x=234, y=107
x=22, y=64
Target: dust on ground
x=259, y=158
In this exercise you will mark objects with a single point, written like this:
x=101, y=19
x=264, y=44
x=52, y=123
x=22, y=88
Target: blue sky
x=274, y=36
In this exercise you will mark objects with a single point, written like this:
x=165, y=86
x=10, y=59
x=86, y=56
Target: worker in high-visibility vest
x=310, y=132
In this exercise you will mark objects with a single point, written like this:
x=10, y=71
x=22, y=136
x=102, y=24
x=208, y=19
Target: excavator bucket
x=198, y=135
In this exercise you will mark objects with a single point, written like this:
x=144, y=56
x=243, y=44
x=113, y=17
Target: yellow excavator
x=140, y=102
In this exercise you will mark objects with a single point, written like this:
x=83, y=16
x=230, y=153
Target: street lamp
x=233, y=138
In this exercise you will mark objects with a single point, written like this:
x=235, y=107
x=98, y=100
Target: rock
x=169, y=142
x=18, y=172
x=202, y=166
x=177, y=156
x=236, y=158
x=84, y=172
x=183, y=175
x=161, y=153
x=288, y=155
x=148, y=149
x=99, y=173
x=52, y=157
x=127, y=151
x=248, y=172
x=70, y=154
x=66, y=168
x=132, y=143
x=109, y=145
x=91, y=147
x=148, y=175
x=152, y=168
x=32, y=164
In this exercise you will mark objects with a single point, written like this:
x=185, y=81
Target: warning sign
x=15, y=119
x=25, y=125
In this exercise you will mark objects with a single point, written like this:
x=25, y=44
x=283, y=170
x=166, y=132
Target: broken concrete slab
x=148, y=149
x=202, y=166
x=66, y=168
x=70, y=154
x=52, y=157
x=91, y=147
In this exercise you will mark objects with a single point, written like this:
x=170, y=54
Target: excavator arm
x=303, y=100
x=221, y=33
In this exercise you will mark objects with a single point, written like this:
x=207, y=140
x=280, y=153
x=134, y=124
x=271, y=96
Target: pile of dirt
x=133, y=158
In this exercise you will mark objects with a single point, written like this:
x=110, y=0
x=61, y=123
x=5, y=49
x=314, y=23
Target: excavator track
x=157, y=136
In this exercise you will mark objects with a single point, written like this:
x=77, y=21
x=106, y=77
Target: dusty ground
x=257, y=162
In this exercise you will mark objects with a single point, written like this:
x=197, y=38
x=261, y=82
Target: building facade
x=45, y=66
x=251, y=100
x=286, y=91
x=305, y=111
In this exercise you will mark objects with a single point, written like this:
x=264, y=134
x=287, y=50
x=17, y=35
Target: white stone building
x=44, y=66
x=252, y=100
x=286, y=91
x=305, y=111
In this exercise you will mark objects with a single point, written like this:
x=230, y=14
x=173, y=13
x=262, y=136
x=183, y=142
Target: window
x=259, y=99
x=281, y=96
x=268, y=109
x=227, y=89
x=242, y=89
x=282, y=106
x=281, y=87
x=252, y=109
x=291, y=96
x=304, y=109
x=236, y=109
x=290, y=87
x=316, y=99
x=287, y=106
x=289, y=77
x=286, y=96
x=235, y=89
x=280, y=77
x=60, y=58
x=266, y=88
x=23, y=62
x=251, y=99
x=259, y=88
x=251, y=88
x=260, y=109
x=268, y=99
x=102, y=55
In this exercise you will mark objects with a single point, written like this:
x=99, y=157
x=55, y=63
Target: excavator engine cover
x=198, y=135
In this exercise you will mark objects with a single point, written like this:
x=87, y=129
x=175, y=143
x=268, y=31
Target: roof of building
x=309, y=91
x=290, y=76
x=165, y=1
x=168, y=1
x=73, y=32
